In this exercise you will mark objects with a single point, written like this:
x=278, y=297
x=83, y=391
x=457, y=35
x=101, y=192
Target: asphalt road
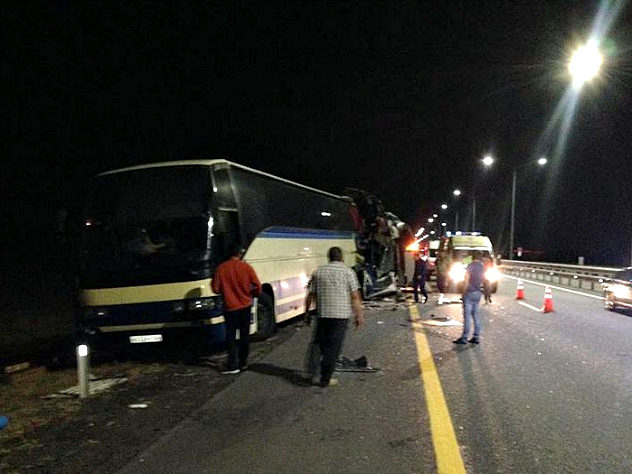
x=543, y=393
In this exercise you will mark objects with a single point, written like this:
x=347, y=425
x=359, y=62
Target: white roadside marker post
x=83, y=370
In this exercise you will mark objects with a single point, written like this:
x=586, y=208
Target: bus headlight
x=457, y=272
x=201, y=304
x=492, y=275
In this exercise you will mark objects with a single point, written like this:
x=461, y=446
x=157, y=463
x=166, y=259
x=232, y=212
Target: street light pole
x=513, y=215
x=473, y=213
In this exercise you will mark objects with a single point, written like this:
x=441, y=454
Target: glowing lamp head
x=585, y=64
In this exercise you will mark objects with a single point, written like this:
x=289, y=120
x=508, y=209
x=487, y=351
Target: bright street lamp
x=584, y=64
x=488, y=161
x=542, y=161
x=444, y=206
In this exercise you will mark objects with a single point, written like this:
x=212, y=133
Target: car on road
x=617, y=291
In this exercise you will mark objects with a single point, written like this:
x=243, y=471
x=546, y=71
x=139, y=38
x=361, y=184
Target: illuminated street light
x=584, y=64
x=435, y=215
x=431, y=220
x=488, y=161
x=542, y=161
x=456, y=192
x=444, y=206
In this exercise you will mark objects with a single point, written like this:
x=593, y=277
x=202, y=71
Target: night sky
x=401, y=99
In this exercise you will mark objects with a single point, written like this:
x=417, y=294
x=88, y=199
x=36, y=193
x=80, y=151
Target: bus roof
x=166, y=164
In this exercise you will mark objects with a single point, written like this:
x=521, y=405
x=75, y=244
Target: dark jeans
x=325, y=346
x=421, y=284
x=238, y=349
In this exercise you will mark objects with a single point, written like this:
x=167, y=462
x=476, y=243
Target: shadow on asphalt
x=291, y=375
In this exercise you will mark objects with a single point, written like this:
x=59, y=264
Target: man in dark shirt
x=474, y=276
x=237, y=282
x=419, y=278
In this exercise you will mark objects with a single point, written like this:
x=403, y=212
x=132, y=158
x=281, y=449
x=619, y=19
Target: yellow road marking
x=446, y=447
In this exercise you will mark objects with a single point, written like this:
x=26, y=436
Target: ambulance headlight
x=621, y=291
x=457, y=272
x=492, y=275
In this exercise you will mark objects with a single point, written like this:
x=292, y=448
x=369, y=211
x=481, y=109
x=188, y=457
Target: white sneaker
x=440, y=299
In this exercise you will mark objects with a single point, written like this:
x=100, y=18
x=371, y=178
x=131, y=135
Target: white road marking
x=556, y=287
x=530, y=307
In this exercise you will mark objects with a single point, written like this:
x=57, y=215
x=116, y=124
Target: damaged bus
x=153, y=235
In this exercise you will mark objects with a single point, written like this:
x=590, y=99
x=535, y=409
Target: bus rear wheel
x=266, y=322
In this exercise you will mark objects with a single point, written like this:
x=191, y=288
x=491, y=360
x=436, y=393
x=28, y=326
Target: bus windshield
x=147, y=226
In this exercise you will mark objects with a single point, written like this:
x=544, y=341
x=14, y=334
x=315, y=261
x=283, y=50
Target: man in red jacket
x=237, y=282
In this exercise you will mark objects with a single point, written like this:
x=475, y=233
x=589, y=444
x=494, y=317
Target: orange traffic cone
x=520, y=290
x=548, y=300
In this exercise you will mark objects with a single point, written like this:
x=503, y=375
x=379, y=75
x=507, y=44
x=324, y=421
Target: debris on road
x=138, y=405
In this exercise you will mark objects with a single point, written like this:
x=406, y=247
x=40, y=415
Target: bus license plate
x=145, y=338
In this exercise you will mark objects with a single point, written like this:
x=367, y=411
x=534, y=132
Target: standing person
x=419, y=278
x=474, y=275
x=237, y=282
x=334, y=288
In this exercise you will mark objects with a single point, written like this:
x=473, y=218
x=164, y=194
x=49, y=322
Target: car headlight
x=492, y=275
x=457, y=272
x=621, y=291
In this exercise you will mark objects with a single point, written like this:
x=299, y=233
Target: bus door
x=226, y=230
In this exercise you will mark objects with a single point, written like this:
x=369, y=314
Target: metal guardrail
x=574, y=276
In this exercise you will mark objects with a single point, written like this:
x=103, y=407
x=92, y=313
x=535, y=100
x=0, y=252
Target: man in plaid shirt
x=334, y=288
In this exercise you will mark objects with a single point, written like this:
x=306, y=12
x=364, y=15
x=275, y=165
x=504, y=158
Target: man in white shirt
x=335, y=289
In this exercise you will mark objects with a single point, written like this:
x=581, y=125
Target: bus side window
x=226, y=233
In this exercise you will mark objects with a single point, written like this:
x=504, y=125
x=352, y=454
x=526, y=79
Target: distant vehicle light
x=457, y=272
x=414, y=247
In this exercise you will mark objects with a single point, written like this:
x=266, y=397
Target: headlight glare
x=492, y=275
x=621, y=291
x=457, y=272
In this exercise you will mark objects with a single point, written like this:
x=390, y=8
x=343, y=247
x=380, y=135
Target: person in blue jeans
x=474, y=276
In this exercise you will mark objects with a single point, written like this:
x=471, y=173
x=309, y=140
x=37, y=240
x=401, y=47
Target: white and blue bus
x=153, y=235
